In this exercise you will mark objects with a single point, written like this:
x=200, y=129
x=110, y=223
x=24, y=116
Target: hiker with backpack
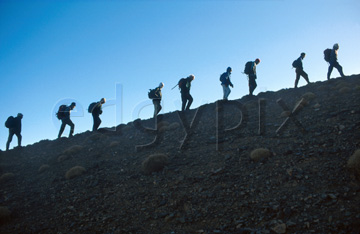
x=331, y=58
x=155, y=95
x=95, y=109
x=299, y=70
x=184, y=86
x=14, y=126
x=225, y=82
x=63, y=114
x=250, y=70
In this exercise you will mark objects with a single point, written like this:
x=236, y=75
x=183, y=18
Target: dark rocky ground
x=210, y=185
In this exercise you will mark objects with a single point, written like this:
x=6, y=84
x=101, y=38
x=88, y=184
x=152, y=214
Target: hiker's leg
x=253, y=85
x=72, y=127
x=184, y=100
x=329, y=71
x=19, y=137
x=297, y=79
x=227, y=92
x=97, y=122
x=305, y=75
x=61, y=128
x=189, y=97
x=340, y=69
x=11, y=134
x=155, y=109
x=224, y=91
x=159, y=107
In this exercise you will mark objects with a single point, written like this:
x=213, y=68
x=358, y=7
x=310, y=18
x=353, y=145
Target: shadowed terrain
x=274, y=163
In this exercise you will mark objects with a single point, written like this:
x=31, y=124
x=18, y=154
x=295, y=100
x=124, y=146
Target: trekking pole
x=174, y=86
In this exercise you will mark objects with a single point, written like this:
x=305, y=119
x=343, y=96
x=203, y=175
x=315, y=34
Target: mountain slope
x=210, y=184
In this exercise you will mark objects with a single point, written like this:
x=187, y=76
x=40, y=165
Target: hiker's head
x=257, y=61
x=161, y=85
x=229, y=70
x=72, y=106
x=102, y=100
x=192, y=77
x=336, y=46
x=20, y=115
x=303, y=55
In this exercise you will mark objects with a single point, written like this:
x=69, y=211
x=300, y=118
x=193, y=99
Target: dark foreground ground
x=210, y=184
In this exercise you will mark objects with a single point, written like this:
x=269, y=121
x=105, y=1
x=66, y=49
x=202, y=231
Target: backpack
x=182, y=83
x=223, y=78
x=91, y=107
x=247, y=69
x=61, y=112
x=296, y=63
x=327, y=54
x=10, y=122
x=152, y=94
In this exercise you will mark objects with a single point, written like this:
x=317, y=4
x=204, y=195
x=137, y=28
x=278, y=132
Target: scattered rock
x=74, y=172
x=6, y=177
x=260, y=154
x=154, y=163
x=73, y=150
x=279, y=228
x=43, y=168
x=309, y=96
x=354, y=162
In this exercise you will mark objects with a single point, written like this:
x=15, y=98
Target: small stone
x=227, y=157
x=280, y=228
x=317, y=105
x=169, y=217
x=290, y=224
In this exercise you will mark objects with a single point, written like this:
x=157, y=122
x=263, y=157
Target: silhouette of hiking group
x=184, y=85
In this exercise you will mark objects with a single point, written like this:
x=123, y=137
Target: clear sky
x=55, y=52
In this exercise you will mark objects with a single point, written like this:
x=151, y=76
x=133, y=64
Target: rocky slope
x=209, y=184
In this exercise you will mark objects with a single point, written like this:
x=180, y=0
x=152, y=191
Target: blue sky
x=55, y=52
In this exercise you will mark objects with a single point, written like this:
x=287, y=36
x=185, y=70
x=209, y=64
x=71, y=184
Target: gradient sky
x=55, y=52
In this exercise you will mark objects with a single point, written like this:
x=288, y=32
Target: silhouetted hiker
x=155, y=95
x=299, y=70
x=250, y=70
x=225, y=82
x=184, y=86
x=333, y=62
x=64, y=115
x=14, y=125
x=95, y=109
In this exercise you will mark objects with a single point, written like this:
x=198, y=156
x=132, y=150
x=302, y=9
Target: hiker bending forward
x=96, y=112
x=252, y=77
x=300, y=70
x=225, y=82
x=334, y=63
x=157, y=100
x=65, y=120
x=15, y=129
x=184, y=86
